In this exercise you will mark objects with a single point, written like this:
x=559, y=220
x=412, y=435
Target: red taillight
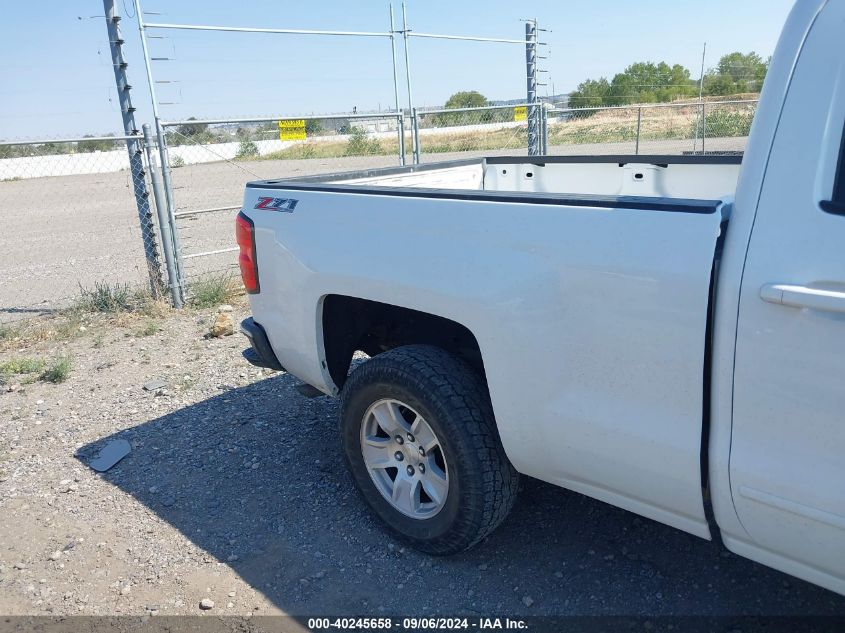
x=245, y=235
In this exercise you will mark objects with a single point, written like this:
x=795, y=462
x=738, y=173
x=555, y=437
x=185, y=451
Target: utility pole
x=531, y=74
x=134, y=147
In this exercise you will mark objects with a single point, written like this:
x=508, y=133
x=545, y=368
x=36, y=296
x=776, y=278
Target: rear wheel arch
x=350, y=324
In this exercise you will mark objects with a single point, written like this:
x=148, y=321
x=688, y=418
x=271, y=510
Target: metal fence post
x=133, y=147
x=544, y=129
x=170, y=207
x=401, y=117
x=164, y=222
x=162, y=145
x=531, y=73
x=639, y=124
x=703, y=125
x=415, y=134
x=396, y=90
x=411, y=109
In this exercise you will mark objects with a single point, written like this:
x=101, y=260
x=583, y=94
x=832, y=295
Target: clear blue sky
x=57, y=77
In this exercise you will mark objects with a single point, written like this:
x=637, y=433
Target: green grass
x=149, y=328
x=105, y=297
x=58, y=371
x=19, y=366
x=7, y=332
x=214, y=291
x=247, y=149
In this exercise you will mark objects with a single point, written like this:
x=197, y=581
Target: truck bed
x=605, y=260
x=591, y=178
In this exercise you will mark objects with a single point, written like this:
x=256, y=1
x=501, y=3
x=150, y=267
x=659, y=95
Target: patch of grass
x=149, y=328
x=177, y=161
x=152, y=308
x=21, y=365
x=58, y=371
x=214, y=291
x=359, y=144
x=104, y=306
x=247, y=149
x=105, y=297
x=728, y=123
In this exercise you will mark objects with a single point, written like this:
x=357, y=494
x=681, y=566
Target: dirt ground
x=235, y=491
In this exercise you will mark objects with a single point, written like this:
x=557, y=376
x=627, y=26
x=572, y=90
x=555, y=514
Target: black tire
x=455, y=404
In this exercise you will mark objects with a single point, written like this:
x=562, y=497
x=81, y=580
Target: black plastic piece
x=260, y=353
x=829, y=206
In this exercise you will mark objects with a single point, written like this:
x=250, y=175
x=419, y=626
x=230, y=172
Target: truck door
x=787, y=461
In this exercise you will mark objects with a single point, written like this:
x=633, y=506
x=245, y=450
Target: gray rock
x=206, y=604
x=155, y=383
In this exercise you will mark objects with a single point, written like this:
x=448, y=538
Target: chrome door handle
x=804, y=297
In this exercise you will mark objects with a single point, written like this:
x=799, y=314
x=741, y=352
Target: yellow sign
x=292, y=130
x=520, y=113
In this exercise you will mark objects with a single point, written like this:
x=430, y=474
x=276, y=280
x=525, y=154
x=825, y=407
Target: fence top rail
x=250, y=29
x=136, y=137
x=646, y=106
x=306, y=117
x=469, y=38
x=475, y=108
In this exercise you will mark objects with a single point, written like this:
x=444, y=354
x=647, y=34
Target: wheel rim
x=404, y=459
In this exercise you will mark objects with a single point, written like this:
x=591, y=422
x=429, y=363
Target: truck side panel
x=590, y=321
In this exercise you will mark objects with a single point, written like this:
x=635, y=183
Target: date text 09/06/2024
x=414, y=624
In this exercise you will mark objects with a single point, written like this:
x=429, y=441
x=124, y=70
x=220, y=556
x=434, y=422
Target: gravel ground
x=235, y=492
x=63, y=232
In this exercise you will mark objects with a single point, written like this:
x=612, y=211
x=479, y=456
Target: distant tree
x=313, y=127
x=647, y=82
x=192, y=130
x=94, y=146
x=642, y=82
x=718, y=85
x=736, y=73
x=464, y=99
x=590, y=93
x=467, y=99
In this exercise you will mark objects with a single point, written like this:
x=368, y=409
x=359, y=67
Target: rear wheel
x=421, y=443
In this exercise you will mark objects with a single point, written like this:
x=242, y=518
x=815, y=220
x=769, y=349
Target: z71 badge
x=284, y=205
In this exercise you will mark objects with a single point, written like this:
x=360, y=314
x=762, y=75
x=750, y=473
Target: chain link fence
x=446, y=133
x=210, y=161
x=70, y=222
x=694, y=128
x=71, y=207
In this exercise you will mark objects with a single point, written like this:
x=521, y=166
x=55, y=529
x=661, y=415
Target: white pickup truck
x=665, y=334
